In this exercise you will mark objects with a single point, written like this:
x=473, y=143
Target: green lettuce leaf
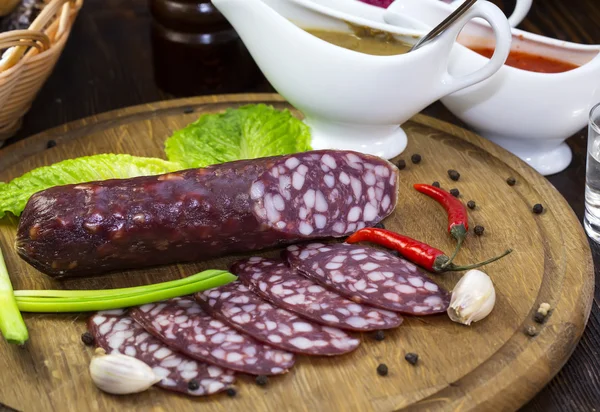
x=15, y=194
x=247, y=132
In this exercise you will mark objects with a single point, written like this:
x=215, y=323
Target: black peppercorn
x=531, y=331
x=411, y=358
x=50, y=144
x=539, y=317
x=188, y=110
x=454, y=192
x=379, y=335
x=401, y=164
x=262, y=380
x=379, y=225
x=479, y=230
x=193, y=385
x=416, y=158
x=542, y=312
x=453, y=174
x=395, y=253
x=231, y=392
x=87, y=338
x=538, y=208
x=436, y=184
x=511, y=181
x=471, y=204
x=382, y=369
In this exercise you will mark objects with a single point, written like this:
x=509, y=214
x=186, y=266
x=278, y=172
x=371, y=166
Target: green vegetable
x=53, y=301
x=14, y=195
x=11, y=322
x=245, y=133
x=104, y=293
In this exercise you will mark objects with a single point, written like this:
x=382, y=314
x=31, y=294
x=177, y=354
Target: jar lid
x=187, y=15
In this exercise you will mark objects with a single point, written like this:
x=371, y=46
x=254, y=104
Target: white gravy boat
x=352, y=100
x=530, y=114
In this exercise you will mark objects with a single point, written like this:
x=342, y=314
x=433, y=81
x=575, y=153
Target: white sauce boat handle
x=522, y=7
x=520, y=12
x=502, y=32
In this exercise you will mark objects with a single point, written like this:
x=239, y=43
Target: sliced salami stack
x=116, y=332
x=236, y=305
x=183, y=325
x=371, y=276
x=285, y=288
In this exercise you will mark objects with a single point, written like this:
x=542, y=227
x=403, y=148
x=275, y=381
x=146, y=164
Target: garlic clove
x=120, y=374
x=473, y=298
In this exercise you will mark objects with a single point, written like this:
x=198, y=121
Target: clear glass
x=591, y=219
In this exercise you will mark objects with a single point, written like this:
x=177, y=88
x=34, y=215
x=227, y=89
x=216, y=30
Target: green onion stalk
x=12, y=302
x=47, y=301
x=104, y=293
x=12, y=326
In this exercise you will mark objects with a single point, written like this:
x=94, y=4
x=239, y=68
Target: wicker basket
x=30, y=59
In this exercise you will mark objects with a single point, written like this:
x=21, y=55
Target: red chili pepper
x=419, y=253
x=458, y=219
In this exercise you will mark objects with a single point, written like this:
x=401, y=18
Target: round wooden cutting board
x=492, y=365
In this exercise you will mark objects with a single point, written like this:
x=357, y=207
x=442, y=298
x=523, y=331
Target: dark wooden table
x=107, y=65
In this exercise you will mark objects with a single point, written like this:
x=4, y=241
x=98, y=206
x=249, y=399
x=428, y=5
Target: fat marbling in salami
x=191, y=215
x=239, y=307
x=284, y=287
x=183, y=325
x=371, y=276
x=116, y=332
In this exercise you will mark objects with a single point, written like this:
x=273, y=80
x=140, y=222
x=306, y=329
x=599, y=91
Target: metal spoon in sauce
x=398, y=19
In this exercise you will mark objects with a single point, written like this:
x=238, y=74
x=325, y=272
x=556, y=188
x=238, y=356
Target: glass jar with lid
x=196, y=51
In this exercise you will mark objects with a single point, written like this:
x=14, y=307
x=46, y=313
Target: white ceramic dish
x=530, y=114
x=351, y=100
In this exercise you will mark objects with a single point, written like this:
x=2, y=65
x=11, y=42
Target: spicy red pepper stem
x=453, y=268
x=458, y=219
x=460, y=238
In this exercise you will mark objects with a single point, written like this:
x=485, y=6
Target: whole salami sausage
x=196, y=214
x=274, y=281
x=371, y=276
x=183, y=325
x=115, y=332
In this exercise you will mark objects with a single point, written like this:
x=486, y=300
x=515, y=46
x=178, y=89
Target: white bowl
x=530, y=114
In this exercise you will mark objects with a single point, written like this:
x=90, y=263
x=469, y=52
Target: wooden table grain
x=107, y=65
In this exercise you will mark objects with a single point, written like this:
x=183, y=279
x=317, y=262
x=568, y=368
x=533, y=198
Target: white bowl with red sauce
x=528, y=112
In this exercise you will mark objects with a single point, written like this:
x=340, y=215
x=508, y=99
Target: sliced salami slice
x=183, y=325
x=236, y=305
x=325, y=193
x=274, y=281
x=116, y=332
x=371, y=276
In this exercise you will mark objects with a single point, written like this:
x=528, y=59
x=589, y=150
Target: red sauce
x=530, y=62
